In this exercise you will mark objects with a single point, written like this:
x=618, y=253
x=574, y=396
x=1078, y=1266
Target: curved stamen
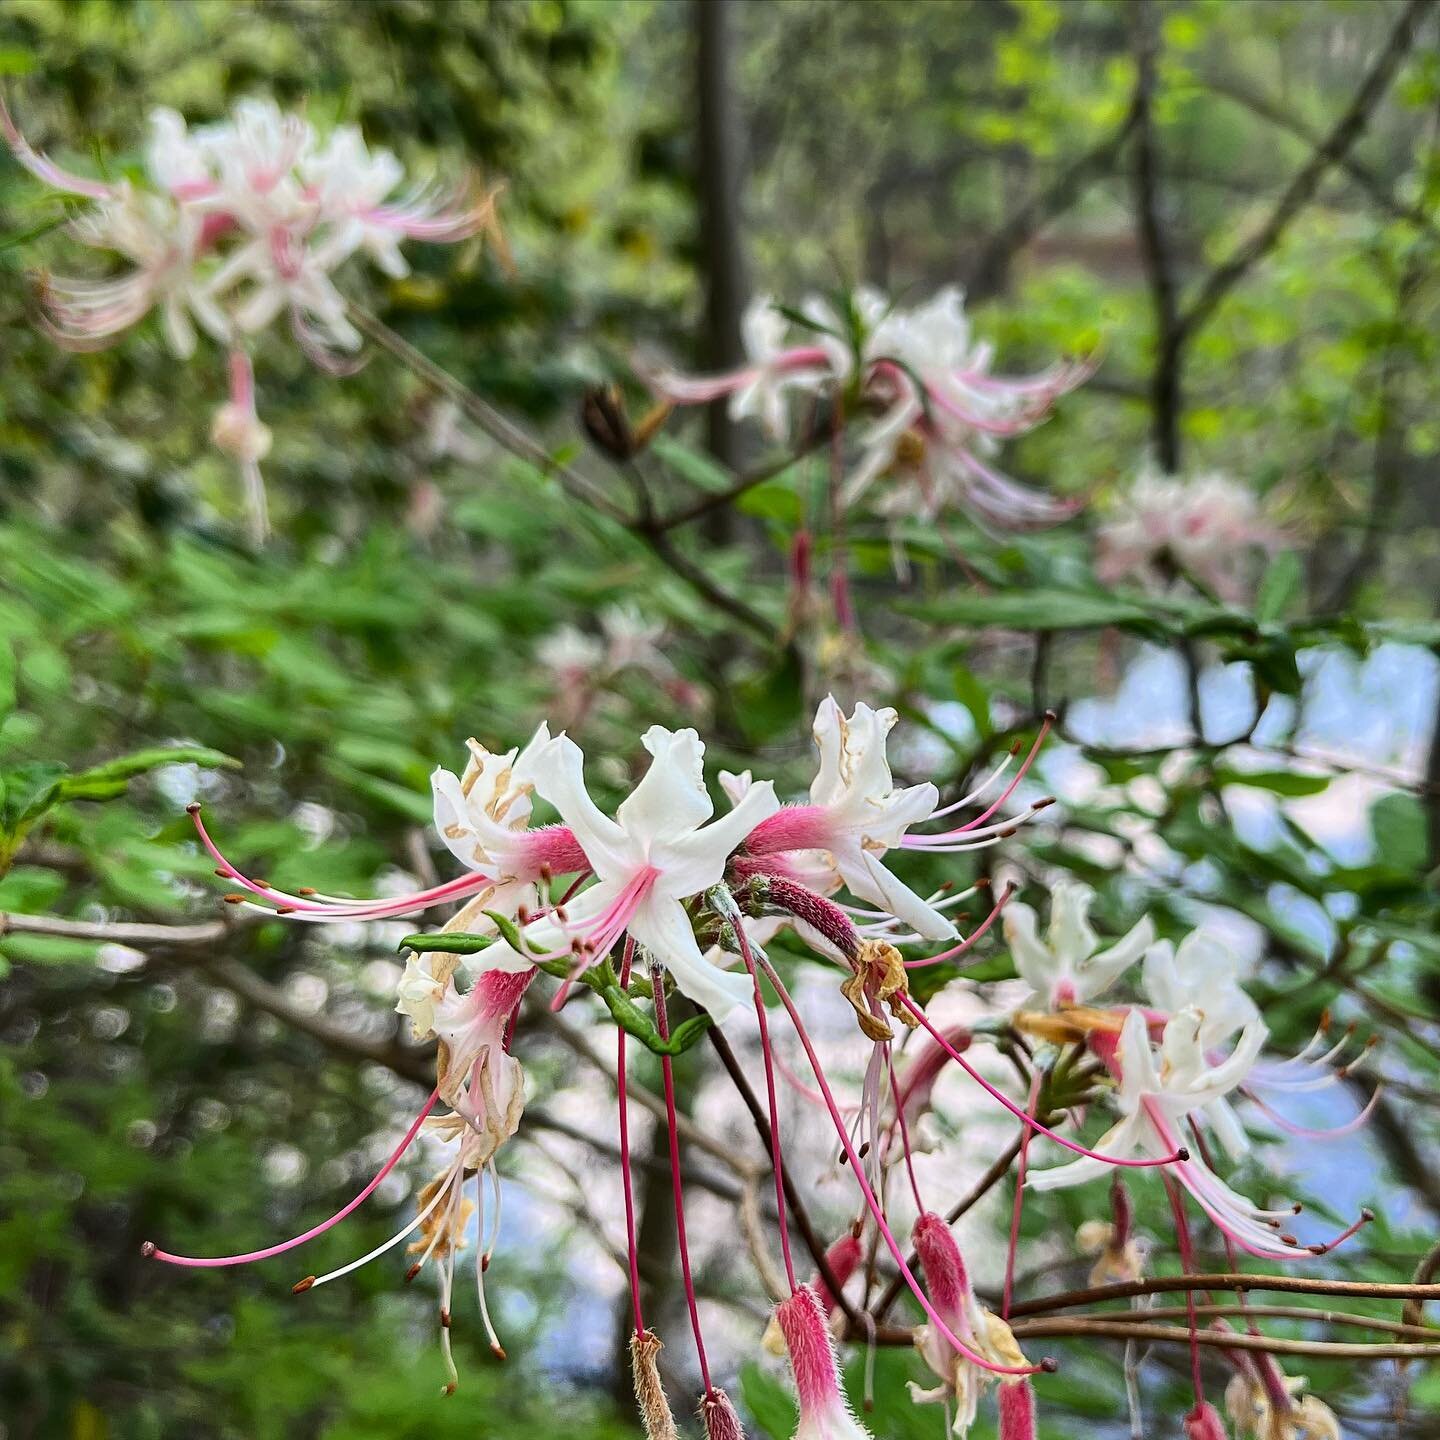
x=153, y=1252
x=970, y=939
x=311, y=1281
x=873, y=1205
x=1124, y=1162
x=326, y=908
x=1304, y=1132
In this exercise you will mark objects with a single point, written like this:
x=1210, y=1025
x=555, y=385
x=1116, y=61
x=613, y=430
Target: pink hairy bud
x=843, y=1257
x=718, y=1416
x=1204, y=1423
x=945, y=1275
x=1017, y=1411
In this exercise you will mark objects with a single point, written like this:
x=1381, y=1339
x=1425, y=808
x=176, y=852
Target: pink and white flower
x=939, y=414
x=238, y=223
x=1206, y=527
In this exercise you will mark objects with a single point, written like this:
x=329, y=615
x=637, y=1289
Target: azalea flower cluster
x=1205, y=528
x=934, y=413
x=232, y=225
x=663, y=898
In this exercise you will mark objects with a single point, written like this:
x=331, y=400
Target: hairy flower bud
x=649, y=1392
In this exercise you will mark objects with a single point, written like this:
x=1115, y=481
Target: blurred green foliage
x=403, y=603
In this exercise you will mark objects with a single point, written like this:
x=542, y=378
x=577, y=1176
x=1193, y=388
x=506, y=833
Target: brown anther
x=1042, y=802
x=284, y=909
x=522, y=915
x=233, y=899
x=147, y=1249
x=1324, y=1020
x=879, y=972
x=984, y=883
x=305, y=890
x=1049, y=1364
x=1297, y=1207
x=1289, y=1240
x=1367, y=1216
x=498, y=1350
x=448, y=1388
x=412, y=1272
x=1051, y=716
x=193, y=808
x=263, y=884
x=1016, y=746
x=301, y=1286
x=484, y=1262
x=1181, y=1153
x=1372, y=1042
x=445, y=1319
x=223, y=874
x=1318, y=1249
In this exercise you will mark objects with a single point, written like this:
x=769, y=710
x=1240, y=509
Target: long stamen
x=482, y=1258
x=662, y=1024
x=153, y=1252
x=1046, y=725
x=313, y=906
x=1187, y=1261
x=632, y=1248
x=904, y=1129
x=873, y=1205
x=977, y=933
x=776, y=1162
x=311, y=1281
x=1124, y=1162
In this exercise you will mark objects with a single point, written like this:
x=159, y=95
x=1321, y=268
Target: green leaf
x=102, y=778
x=1278, y=782
x=1398, y=824
x=1035, y=610
x=1279, y=588
x=453, y=942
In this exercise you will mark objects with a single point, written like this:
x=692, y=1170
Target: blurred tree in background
x=1234, y=202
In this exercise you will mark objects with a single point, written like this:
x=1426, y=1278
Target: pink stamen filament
x=1304, y=1132
x=876, y=1210
x=776, y=1161
x=220, y=1261
x=604, y=931
x=1123, y=1162
x=667, y=1070
x=904, y=1129
x=632, y=1248
x=1187, y=1263
x=969, y=940
x=970, y=825
x=331, y=908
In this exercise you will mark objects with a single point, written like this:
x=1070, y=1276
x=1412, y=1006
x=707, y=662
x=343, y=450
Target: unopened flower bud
x=1204, y=1423
x=718, y=1416
x=649, y=1392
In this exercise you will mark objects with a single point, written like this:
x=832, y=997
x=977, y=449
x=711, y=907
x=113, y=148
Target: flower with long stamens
x=962, y=1380
x=1155, y=1099
x=655, y=854
x=233, y=225
x=760, y=388
x=1068, y=967
x=825, y=1414
x=477, y=1075
x=939, y=414
x=856, y=814
x=1205, y=527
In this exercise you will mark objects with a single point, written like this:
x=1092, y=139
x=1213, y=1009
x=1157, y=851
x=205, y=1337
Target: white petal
x=867, y=879
x=1101, y=970
x=671, y=798
x=663, y=928
x=694, y=862
x=1120, y=1141
x=558, y=771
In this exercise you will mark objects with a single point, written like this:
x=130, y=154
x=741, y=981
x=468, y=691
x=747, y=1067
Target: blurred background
x=1233, y=203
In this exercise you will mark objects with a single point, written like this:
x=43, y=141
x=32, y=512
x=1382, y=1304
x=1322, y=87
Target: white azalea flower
x=856, y=814
x=655, y=854
x=1154, y=1099
x=1068, y=967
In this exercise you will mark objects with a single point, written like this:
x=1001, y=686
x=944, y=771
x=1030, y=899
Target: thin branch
x=1081, y=1327
x=1330, y=152
x=1165, y=389
x=987, y=275
x=999, y=1168
x=117, y=932
x=1167, y=1284
x=498, y=427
